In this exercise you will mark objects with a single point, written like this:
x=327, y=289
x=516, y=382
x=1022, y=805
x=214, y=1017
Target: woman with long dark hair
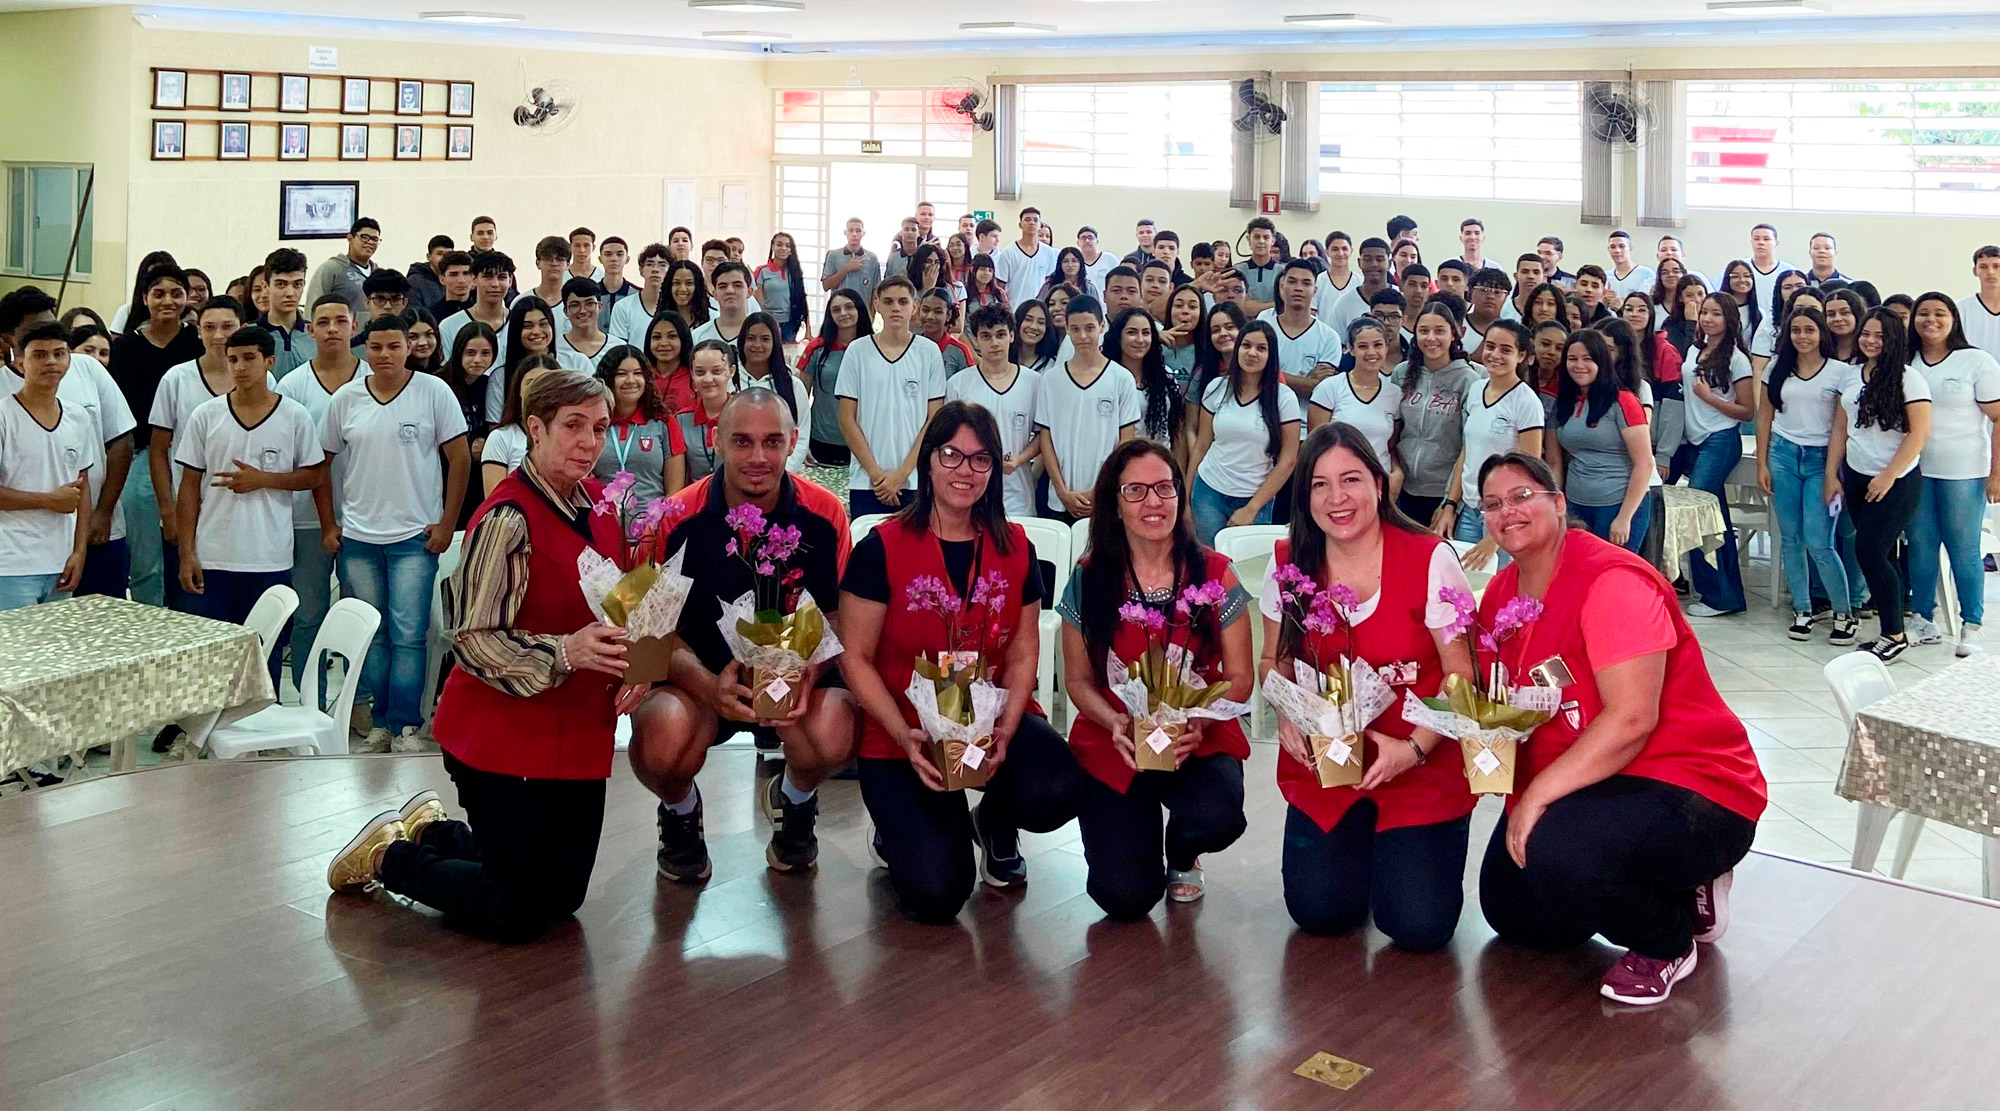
x=928, y=271
x=1178, y=345
x=1739, y=280
x=687, y=292
x=781, y=285
x=1794, y=426
x=1718, y=402
x=760, y=360
x=1246, y=437
x=1659, y=366
x=1366, y=397
x=1681, y=325
x=1666, y=291
x=473, y=352
x=1071, y=271
x=507, y=441
x=1133, y=343
x=846, y=319
x=1502, y=414
x=1961, y=470
x=668, y=349
x=1433, y=380
x=1036, y=345
x=958, y=252
x=981, y=287
x=531, y=330
x=1882, y=418
x=691, y=450
x=1143, y=552
x=1394, y=845
x=637, y=441
x=1602, y=451
x=951, y=537
x=1765, y=342
x=425, y=357
x=1845, y=310
x=1546, y=302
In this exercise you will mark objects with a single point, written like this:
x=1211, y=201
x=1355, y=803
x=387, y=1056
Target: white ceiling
x=929, y=26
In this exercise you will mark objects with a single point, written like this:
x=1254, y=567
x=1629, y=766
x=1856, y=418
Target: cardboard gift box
x=775, y=695
x=649, y=659
x=1489, y=761
x=964, y=765
x=1153, y=753
x=1338, y=760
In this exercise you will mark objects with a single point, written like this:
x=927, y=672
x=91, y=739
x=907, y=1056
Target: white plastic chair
x=349, y=627
x=1478, y=576
x=863, y=525
x=1052, y=543
x=1079, y=541
x=438, y=644
x=1250, y=548
x=1859, y=680
x=1947, y=591
x=267, y=618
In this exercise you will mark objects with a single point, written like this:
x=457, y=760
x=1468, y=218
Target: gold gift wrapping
x=763, y=705
x=625, y=597
x=954, y=701
x=1501, y=782
x=1142, y=753
x=1338, y=775
x=1167, y=684
x=949, y=758
x=1462, y=697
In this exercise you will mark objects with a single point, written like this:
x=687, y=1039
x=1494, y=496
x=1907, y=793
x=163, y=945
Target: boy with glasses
x=344, y=273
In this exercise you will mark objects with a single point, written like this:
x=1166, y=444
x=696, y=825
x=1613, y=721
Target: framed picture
x=293, y=142
x=169, y=140
x=354, y=95
x=170, y=88
x=317, y=209
x=235, y=92
x=233, y=144
x=409, y=141
x=354, y=142
x=458, y=141
x=459, y=103
x=409, y=98
x=292, y=92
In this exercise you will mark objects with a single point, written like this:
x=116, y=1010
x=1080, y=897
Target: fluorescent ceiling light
x=747, y=5
x=1766, y=7
x=469, y=17
x=1113, y=1
x=746, y=36
x=1338, y=19
x=1007, y=28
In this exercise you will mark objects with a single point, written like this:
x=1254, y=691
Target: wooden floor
x=166, y=941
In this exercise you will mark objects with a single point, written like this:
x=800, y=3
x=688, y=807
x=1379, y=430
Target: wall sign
x=1267, y=203
x=871, y=146
x=323, y=57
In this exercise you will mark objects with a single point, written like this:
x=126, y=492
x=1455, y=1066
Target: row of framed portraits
x=292, y=142
x=238, y=91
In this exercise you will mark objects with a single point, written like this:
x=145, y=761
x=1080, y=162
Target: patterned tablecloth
x=92, y=671
x=1693, y=520
x=1933, y=748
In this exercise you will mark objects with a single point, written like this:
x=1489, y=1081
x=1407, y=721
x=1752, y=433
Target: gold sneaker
x=423, y=808
x=357, y=866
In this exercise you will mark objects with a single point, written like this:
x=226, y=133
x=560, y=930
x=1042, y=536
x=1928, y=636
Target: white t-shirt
x=1807, y=418
x=1961, y=441
x=303, y=386
x=1640, y=280
x=1326, y=296
x=1084, y=421
x=1319, y=343
x=1702, y=419
x=1767, y=282
x=1982, y=326
x=1495, y=429
x=90, y=387
x=1871, y=449
x=711, y=329
x=1097, y=271
x=892, y=400
x=246, y=532
x=628, y=320
x=1375, y=417
x=1238, y=459
x=181, y=391
x=1023, y=273
x=1444, y=573
x=1348, y=308
x=506, y=445
x=565, y=348
x=395, y=481
x=496, y=378
x=1015, y=412
x=36, y=460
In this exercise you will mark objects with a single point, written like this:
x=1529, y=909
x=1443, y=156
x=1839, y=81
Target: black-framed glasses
x=1136, y=491
x=980, y=461
x=1522, y=496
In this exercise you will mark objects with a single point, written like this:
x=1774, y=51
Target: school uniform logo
x=1020, y=424
x=408, y=432
x=72, y=458
x=645, y=443
x=1106, y=407
x=910, y=388
x=271, y=459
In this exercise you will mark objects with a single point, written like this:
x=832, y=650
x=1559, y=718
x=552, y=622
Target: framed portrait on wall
x=354, y=95
x=292, y=89
x=233, y=144
x=458, y=142
x=354, y=142
x=170, y=88
x=409, y=98
x=409, y=141
x=459, y=103
x=294, y=142
x=235, y=95
x=317, y=209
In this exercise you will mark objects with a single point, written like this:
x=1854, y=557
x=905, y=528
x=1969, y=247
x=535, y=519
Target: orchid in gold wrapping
x=776, y=629
x=955, y=699
x=1161, y=689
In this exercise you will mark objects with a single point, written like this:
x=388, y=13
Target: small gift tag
x=973, y=757
x=1339, y=751
x=777, y=688
x=1158, y=740
x=1486, y=762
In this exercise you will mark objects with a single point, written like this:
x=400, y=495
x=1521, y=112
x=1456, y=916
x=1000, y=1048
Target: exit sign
x=871, y=146
x=982, y=214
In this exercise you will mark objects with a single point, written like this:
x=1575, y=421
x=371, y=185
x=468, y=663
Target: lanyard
x=621, y=444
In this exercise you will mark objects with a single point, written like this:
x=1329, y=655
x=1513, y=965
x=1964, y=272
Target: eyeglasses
x=1136, y=491
x=1489, y=506
x=980, y=461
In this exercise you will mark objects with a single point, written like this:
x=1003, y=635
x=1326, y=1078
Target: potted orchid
x=1489, y=717
x=645, y=600
x=1161, y=690
x=1329, y=698
x=952, y=690
x=776, y=630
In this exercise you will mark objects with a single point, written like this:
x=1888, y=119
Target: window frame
x=1211, y=170
x=21, y=237
x=1329, y=179
x=934, y=141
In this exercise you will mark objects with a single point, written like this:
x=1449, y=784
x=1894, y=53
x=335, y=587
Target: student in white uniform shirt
x=47, y=449
x=552, y=262
x=631, y=315
x=890, y=385
x=404, y=439
x=1132, y=341
x=1718, y=399
x=1765, y=265
x=1096, y=262
x=1472, y=244
x=184, y=387
x=492, y=276
x=506, y=443
x=1084, y=408
x=313, y=511
x=1366, y=397
x=1527, y=279
x=731, y=286
x=1959, y=468
x=583, y=306
x=1503, y=413
x=1006, y=389
x=1882, y=419
x=1794, y=425
x=531, y=330
x=582, y=248
x=1023, y=266
x=243, y=456
x=1979, y=312
x=1373, y=259
x=1764, y=342
x=1246, y=437
x=1625, y=276
x=1339, y=277
x=1308, y=349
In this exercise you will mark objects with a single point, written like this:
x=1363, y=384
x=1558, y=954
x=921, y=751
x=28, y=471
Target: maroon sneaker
x=1711, y=908
x=1643, y=981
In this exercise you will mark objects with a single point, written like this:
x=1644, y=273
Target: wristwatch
x=1418, y=749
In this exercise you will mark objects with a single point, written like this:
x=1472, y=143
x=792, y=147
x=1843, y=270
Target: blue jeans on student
x=1719, y=585
x=1212, y=510
x=312, y=577
x=863, y=502
x=1411, y=879
x=22, y=591
x=142, y=534
x=229, y=596
x=396, y=579
x=1471, y=529
x=1948, y=516
x=1798, y=497
x=1597, y=519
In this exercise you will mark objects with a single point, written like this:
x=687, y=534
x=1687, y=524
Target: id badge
x=1552, y=672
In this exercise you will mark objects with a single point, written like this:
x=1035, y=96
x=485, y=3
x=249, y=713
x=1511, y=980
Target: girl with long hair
x=687, y=292
x=928, y=271
x=760, y=360
x=781, y=285
x=691, y=449
x=1666, y=291
x=1845, y=310
x=1246, y=438
x=845, y=320
x=1214, y=346
x=1036, y=345
x=1739, y=280
x=1765, y=342
x=1794, y=426
x=1503, y=413
x=1177, y=337
x=981, y=288
x=1681, y=325
x=1660, y=367
x=507, y=442
x=1882, y=418
x=668, y=348
x=1071, y=271
x=424, y=354
x=531, y=330
x=1547, y=302
x=1961, y=471
x=1602, y=453
x=958, y=252
x=1719, y=400
x=1433, y=380
x=1132, y=343
x=637, y=441
x=1367, y=396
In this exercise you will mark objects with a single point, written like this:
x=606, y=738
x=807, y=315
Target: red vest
x=565, y=732
x=1092, y=742
x=1395, y=634
x=913, y=552
x=1698, y=743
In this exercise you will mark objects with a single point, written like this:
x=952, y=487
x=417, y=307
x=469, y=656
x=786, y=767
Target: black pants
x=107, y=569
x=1417, y=509
x=1877, y=527
x=830, y=454
x=1620, y=858
x=1412, y=879
x=527, y=866
x=1122, y=833
x=927, y=835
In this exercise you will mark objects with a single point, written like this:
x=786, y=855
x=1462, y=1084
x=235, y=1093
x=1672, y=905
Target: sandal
x=1185, y=887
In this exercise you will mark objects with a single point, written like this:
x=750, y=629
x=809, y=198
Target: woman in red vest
x=1395, y=845
x=1636, y=799
x=955, y=531
x=1143, y=550
x=526, y=717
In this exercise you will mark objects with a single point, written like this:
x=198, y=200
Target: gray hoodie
x=1433, y=418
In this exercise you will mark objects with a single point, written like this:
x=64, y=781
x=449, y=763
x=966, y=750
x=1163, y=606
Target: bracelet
x=1422, y=756
x=562, y=655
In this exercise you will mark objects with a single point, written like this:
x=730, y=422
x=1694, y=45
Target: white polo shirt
x=35, y=459
x=1015, y=411
x=1961, y=440
x=253, y=531
x=1870, y=450
x=892, y=400
x=1982, y=326
x=1640, y=280
x=394, y=487
x=304, y=387
x=90, y=387
x=1375, y=416
x=181, y=391
x=1022, y=272
x=1319, y=343
x=1084, y=421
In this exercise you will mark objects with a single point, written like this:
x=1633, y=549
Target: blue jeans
x=861, y=503
x=22, y=591
x=1212, y=510
x=1412, y=879
x=229, y=596
x=1719, y=585
x=396, y=579
x=1598, y=518
x=1948, y=516
x=142, y=534
x=312, y=577
x=1798, y=486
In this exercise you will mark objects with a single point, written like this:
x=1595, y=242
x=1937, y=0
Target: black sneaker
x=1000, y=863
x=1802, y=624
x=1844, y=630
x=1888, y=651
x=793, y=843
x=163, y=741
x=683, y=856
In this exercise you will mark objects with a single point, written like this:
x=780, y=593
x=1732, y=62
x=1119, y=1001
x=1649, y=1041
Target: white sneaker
x=377, y=741
x=1922, y=630
x=1971, y=638
x=407, y=741
x=1703, y=609
x=361, y=719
